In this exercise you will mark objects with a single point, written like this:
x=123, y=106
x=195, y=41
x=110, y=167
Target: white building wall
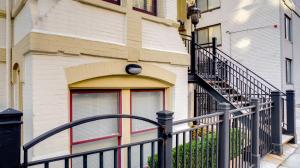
x=160, y=37
x=249, y=34
x=46, y=94
x=22, y=23
x=2, y=4
x=81, y=21
x=2, y=86
x=2, y=32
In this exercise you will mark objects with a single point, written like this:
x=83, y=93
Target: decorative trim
x=2, y=55
x=2, y=13
x=102, y=69
x=39, y=42
x=104, y=5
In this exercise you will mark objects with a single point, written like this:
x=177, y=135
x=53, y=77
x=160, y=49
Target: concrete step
x=286, y=138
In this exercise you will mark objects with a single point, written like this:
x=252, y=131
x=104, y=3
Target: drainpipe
x=8, y=53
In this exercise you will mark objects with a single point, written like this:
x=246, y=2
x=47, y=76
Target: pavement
x=293, y=161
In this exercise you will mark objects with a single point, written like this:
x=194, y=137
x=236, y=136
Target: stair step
x=286, y=138
x=239, y=103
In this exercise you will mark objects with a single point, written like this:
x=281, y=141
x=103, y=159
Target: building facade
x=262, y=35
x=62, y=60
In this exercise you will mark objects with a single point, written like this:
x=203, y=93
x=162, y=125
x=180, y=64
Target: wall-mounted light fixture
x=194, y=13
x=133, y=69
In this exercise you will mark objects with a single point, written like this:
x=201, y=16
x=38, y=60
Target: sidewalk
x=293, y=161
x=291, y=153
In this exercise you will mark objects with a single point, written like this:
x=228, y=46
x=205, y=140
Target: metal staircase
x=225, y=78
x=222, y=79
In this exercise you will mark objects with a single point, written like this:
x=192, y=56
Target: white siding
x=254, y=40
x=2, y=86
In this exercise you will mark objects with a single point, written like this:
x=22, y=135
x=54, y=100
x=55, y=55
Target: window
x=205, y=35
x=289, y=71
x=113, y=1
x=207, y=5
x=288, y=29
x=146, y=6
x=90, y=103
x=145, y=103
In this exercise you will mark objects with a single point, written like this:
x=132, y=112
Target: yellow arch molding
x=86, y=72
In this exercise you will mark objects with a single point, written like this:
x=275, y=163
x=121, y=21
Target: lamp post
x=194, y=14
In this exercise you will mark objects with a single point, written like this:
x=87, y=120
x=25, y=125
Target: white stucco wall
x=254, y=41
x=2, y=86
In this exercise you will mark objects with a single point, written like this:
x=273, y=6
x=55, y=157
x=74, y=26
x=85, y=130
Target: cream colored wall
x=46, y=95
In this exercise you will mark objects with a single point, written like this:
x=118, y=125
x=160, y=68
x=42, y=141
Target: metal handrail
x=249, y=70
x=83, y=121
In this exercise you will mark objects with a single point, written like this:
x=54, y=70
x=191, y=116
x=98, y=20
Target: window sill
x=144, y=11
x=210, y=10
x=143, y=131
x=95, y=139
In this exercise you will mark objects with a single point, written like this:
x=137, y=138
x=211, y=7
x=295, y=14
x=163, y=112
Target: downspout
x=8, y=53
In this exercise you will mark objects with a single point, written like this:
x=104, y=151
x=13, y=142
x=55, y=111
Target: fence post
x=214, y=52
x=10, y=141
x=165, y=158
x=276, y=117
x=291, y=114
x=224, y=135
x=193, y=54
x=255, y=132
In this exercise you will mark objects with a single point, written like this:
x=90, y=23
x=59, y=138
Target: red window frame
x=117, y=2
x=154, y=9
x=119, y=135
x=144, y=90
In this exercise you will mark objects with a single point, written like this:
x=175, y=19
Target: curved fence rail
x=66, y=160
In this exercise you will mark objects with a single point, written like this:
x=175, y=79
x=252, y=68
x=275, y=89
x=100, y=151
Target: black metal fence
x=226, y=138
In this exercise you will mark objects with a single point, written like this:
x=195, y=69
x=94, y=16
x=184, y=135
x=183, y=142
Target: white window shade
x=92, y=104
x=213, y=4
x=145, y=104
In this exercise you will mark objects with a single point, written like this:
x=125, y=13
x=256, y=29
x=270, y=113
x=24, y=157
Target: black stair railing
x=236, y=82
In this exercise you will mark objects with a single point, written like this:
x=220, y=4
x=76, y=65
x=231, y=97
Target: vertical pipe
x=214, y=51
x=291, y=114
x=224, y=136
x=193, y=57
x=165, y=118
x=8, y=53
x=276, y=123
x=255, y=133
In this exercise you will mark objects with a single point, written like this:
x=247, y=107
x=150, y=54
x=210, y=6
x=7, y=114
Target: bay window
x=146, y=6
